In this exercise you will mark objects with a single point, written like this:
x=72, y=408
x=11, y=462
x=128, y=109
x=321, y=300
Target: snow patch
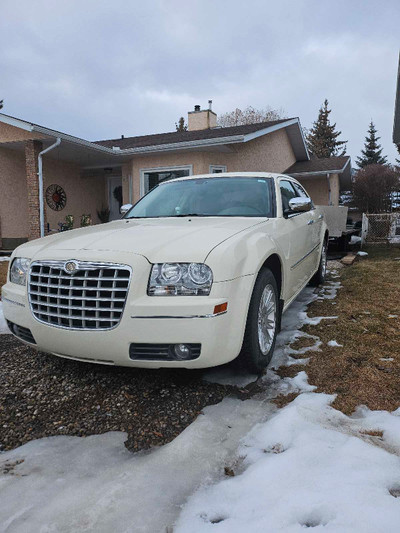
x=96, y=484
x=303, y=471
x=334, y=343
x=362, y=254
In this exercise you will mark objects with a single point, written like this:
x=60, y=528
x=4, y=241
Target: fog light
x=182, y=351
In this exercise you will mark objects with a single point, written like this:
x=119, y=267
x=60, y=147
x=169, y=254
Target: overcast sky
x=99, y=69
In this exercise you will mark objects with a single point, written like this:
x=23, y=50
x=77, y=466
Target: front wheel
x=320, y=275
x=262, y=324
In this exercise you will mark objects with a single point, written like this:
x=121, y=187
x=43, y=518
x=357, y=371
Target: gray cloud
x=98, y=69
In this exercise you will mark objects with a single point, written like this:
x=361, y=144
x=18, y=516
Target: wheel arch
x=274, y=263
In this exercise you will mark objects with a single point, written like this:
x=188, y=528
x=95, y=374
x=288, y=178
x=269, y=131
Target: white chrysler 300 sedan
x=197, y=273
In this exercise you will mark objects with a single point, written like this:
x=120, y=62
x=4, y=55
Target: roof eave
x=344, y=174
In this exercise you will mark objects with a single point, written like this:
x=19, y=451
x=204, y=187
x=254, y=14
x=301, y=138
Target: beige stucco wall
x=85, y=195
x=13, y=194
x=318, y=188
x=270, y=153
x=12, y=134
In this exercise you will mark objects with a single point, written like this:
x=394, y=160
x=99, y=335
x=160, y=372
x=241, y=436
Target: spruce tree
x=322, y=139
x=181, y=126
x=372, y=153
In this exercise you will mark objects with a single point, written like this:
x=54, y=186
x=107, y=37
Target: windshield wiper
x=190, y=215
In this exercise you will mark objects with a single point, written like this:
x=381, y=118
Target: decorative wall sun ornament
x=55, y=197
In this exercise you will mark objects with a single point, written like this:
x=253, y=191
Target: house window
x=151, y=177
x=217, y=169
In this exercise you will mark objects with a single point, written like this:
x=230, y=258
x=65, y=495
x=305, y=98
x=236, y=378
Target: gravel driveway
x=42, y=395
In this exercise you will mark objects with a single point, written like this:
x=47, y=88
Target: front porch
x=77, y=184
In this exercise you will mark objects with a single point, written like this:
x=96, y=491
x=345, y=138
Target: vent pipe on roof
x=210, y=105
x=197, y=108
x=40, y=176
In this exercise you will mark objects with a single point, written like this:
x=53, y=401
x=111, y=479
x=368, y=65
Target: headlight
x=180, y=279
x=19, y=269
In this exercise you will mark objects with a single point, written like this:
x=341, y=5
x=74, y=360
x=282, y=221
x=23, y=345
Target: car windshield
x=220, y=197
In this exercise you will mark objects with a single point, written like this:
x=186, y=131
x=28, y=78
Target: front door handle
x=310, y=222
x=320, y=217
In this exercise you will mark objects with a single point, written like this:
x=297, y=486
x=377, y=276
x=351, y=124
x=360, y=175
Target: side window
x=302, y=192
x=287, y=193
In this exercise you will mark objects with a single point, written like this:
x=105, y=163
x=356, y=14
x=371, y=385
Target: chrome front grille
x=92, y=297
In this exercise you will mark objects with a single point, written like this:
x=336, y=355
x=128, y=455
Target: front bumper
x=146, y=319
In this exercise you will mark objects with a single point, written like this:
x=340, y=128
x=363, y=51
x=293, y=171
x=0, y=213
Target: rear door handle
x=320, y=217
x=310, y=222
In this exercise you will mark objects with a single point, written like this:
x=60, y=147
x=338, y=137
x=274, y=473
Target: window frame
x=144, y=171
x=292, y=182
x=221, y=168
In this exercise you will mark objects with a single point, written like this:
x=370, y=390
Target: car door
x=297, y=240
x=316, y=228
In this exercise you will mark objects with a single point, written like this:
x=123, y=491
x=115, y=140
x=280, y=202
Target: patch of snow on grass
x=314, y=321
x=4, y=258
x=335, y=344
x=302, y=472
x=362, y=254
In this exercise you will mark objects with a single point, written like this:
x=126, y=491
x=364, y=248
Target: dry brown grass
x=356, y=372
x=3, y=272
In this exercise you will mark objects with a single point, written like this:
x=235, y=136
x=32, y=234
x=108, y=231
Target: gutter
x=40, y=176
x=116, y=151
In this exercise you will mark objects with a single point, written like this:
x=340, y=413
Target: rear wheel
x=320, y=275
x=262, y=324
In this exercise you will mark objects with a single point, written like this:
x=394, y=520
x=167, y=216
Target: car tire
x=262, y=324
x=320, y=275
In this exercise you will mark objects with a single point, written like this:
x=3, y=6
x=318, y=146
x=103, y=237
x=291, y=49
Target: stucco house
x=82, y=177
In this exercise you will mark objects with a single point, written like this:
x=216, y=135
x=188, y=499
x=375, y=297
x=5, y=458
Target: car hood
x=159, y=240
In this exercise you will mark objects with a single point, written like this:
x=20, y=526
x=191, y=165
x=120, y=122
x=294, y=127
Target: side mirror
x=298, y=205
x=124, y=209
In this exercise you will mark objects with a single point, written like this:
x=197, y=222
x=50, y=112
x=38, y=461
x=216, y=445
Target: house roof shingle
x=184, y=136
x=329, y=164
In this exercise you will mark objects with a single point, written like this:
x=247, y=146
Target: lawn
x=366, y=369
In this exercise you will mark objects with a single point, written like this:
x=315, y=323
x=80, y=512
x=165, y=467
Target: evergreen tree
x=372, y=153
x=322, y=139
x=398, y=149
x=180, y=125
